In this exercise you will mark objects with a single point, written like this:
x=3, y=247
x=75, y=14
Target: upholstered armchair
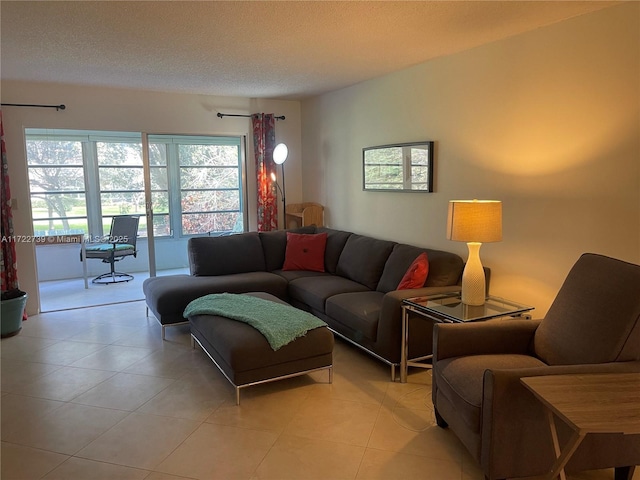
x=593, y=326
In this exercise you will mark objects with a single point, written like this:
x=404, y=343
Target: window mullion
x=92, y=182
x=175, y=194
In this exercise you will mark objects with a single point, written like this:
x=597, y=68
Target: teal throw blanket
x=280, y=324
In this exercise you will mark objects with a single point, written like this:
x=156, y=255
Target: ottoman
x=245, y=357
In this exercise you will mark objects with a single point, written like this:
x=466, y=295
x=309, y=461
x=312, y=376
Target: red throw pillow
x=416, y=273
x=305, y=252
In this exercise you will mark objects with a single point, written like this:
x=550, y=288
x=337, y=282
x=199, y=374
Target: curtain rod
x=57, y=107
x=220, y=115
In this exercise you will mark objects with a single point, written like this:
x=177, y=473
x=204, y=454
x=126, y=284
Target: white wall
x=136, y=111
x=547, y=121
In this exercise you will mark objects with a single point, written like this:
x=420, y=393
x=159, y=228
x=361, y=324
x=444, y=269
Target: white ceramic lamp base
x=473, y=280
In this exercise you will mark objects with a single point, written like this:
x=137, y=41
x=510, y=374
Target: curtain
x=264, y=139
x=8, y=265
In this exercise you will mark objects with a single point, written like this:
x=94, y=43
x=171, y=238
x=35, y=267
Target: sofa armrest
x=479, y=338
x=391, y=311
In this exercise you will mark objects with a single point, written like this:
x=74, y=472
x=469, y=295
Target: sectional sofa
x=356, y=294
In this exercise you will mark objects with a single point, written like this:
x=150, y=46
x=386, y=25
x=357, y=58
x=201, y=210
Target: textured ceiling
x=262, y=49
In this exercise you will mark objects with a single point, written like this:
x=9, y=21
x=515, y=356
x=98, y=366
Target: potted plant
x=12, y=309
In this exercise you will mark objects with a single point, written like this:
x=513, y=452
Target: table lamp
x=474, y=222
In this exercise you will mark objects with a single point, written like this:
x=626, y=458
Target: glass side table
x=448, y=308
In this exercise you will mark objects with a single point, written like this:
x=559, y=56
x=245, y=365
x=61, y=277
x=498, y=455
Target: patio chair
x=120, y=243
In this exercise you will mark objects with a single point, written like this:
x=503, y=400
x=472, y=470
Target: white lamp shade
x=280, y=153
x=475, y=221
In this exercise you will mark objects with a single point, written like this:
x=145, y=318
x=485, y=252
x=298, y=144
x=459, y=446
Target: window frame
x=93, y=191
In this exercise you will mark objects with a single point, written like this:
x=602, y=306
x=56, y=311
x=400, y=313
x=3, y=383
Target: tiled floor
x=95, y=394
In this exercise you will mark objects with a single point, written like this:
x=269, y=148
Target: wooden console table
x=590, y=403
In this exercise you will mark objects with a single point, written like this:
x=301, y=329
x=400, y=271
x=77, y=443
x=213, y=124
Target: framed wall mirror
x=402, y=167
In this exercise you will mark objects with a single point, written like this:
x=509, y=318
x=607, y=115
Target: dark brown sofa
x=593, y=326
x=356, y=295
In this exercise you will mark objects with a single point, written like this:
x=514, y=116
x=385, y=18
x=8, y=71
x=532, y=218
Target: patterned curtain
x=264, y=139
x=8, y=265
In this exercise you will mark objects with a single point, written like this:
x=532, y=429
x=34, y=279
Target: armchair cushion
x=462, y=380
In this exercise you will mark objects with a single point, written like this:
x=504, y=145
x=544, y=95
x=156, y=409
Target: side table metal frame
x=406, y=362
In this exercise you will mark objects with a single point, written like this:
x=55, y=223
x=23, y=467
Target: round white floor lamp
x=280, y=154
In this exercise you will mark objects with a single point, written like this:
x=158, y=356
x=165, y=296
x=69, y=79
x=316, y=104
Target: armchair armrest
x=491, y=337
x=507, y=402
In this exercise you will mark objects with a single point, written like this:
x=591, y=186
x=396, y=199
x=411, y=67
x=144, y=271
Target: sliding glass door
x=180, y=186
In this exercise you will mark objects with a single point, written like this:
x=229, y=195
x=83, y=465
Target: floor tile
x=64, y=352
x=65, y=430
x=264, y=407
x=382, y=465
x=164, y=476
x=105, y=333
x=124, y=391
x=295, y=458
x=64, y=383
x=219, y=452
x=169, y=361
x=329, y=419
x=114, y=358
x=21, y=347
x=18, y=411
x=56, y=325
x=140, y=441
x=413, y=432
x=184, y=399
x=354, y=388
x=15, y=373
x=25, y=463
x=79, y=468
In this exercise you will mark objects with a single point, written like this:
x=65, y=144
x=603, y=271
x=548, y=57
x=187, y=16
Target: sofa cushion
x=305, y=252
x=274, y=245
x=314, y=291
x=359, y=311
x=167, y=296
x=397, y=265
x=336, y=239
x=363, y=259
x=461, y=380
x=416, y=274
x=290, y=275
x=226, y=254
x=445, y=268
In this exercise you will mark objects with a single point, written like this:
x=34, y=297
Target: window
x=406, y=167
x=57, y=186
x=80, y=180
x=208, y=182
x=121, y=180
